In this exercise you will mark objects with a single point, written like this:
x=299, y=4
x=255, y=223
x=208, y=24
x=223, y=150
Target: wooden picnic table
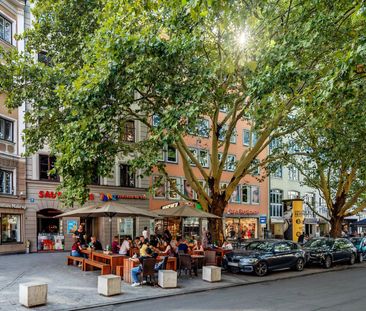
x=112, y=259
x=87, y=252
x=129, y=264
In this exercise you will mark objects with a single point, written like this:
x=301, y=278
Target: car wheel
x=261, y=268
x=300, y=264
x=327, y=262
x=352, y=259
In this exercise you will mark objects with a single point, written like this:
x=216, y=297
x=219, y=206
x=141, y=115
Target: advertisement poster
x=72, y=225
x=297, y=219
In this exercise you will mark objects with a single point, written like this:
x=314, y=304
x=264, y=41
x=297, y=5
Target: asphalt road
x=339, y=290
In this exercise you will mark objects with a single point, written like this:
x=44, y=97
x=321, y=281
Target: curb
x=131, y=300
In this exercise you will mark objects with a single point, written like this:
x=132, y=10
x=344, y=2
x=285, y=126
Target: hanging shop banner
x=297, y=219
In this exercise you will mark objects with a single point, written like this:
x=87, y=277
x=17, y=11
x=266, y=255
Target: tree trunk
x=336, y=226
x=215, y=226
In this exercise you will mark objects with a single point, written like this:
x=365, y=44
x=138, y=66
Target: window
x=235, y=197
x=293, y=173
x=222, y=133
x=224, y=109
x=203, y=128
x=10, y=228
x=6, y=182
x=5, y=29
x=233, y=137
x=275, y=201
x=245, y=194
x=195, y=154
x=159, y=187
x=255, y=194
x=127, y=177
x=282, y=247
x=246, y=138
x=47, y=163
x=155, y=120
x=171, y=192
x=254, y=138
x=278, y=172
x=203, y=158
x=129, y=131
x=6, y=129
x=293, y=194
x=230, y=163
x=169, y=154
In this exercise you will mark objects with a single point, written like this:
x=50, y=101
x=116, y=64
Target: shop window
x=10, y=228
x=159, y=187
x=6, y=130
x=129, y=131
x=6, y=182
x=255, y=194
x=127, y=177
x=5, y=29
x=245, y=194
x=47, y=163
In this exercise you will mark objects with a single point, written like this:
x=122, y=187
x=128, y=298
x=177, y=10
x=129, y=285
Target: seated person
x=125, y=246
x=115, y=245
x=198, y=247
x=137, y=270
x=144, y=247
x=136, y=242
x=95, y=244
x=182, y=245
x=227, y=245
x=168, y=250
x=76, y=250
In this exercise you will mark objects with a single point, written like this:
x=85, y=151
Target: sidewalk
x=69, y=288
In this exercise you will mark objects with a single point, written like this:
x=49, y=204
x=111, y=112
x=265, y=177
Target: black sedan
x=263, y=256
x=326, y=251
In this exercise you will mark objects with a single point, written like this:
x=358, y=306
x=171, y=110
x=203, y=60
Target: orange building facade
x=247, y=212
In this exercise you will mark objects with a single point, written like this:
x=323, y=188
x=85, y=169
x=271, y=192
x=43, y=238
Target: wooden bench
x=105, y=269
x=71, y=260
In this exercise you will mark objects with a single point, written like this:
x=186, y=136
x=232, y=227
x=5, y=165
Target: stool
x=33, y=294
x=109, y=285
x=167, y=278
x=211, y=273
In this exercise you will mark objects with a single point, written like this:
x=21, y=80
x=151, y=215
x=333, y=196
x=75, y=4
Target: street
x=339, y=290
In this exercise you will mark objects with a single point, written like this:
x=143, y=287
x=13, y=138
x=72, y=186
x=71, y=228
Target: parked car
x=326, y=251
x=262, y=256
x=360, y=244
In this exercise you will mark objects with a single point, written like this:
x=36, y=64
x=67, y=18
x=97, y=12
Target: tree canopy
x=181, y=61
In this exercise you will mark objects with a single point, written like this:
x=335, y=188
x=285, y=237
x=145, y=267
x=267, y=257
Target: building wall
x=12, y=204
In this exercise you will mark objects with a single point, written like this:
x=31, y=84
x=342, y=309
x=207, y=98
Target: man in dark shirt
x=95, y=244
x=182, y=245
x=79, y=233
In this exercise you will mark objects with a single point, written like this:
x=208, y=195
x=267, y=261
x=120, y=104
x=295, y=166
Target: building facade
x=12, y=165
x=248, y=203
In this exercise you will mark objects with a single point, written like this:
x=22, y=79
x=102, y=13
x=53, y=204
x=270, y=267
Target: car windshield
x=356, y=241
x=321, y=243
x=260, y=246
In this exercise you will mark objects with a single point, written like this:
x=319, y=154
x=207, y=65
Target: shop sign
x=114, y=197
x=263, y=219
x=55, y=195
x=241, y=212
x=176, y=204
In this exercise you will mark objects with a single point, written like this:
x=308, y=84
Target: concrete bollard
x=211, y=274
x=33, y=294
x=109, y=285
x=167, y=278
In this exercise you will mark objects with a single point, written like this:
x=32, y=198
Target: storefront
x=277, y=227
x=245, y=227
x=48, y=233
x=12, y=229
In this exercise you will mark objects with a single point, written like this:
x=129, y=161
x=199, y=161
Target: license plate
x=233, y=264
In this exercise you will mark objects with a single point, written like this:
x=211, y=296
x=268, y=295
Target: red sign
x=54, y=195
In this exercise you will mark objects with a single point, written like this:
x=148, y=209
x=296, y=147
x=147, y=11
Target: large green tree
x=113, y=61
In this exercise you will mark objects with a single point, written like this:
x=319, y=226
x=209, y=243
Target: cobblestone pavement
x=70, y=289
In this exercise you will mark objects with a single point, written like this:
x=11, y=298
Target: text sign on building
x=263, y=219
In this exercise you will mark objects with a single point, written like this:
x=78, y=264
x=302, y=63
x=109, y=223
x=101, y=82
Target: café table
x=112, y=259
x=199, y=259
x=87, y=252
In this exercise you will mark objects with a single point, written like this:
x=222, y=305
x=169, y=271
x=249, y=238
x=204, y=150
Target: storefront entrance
x=244, y=228
x=49, y=230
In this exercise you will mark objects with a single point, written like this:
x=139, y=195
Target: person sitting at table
x=136, y=242
x=137, y=270
x=76, y=250
x=227, y=245
x=95, y=244
x=168, y=250
x=115, y=245
x=144, y=248
x=182, y=245
x=125, y=246
x=198, y=246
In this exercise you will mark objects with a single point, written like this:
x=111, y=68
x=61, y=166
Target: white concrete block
x=33, y=294
x=211, y=273
x=167, y=278
x=109, y=285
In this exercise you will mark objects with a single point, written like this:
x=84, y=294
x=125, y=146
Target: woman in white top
x=125, y=246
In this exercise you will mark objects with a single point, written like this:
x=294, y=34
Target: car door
x=347, y=249
x=282, y=254
x=337, y=250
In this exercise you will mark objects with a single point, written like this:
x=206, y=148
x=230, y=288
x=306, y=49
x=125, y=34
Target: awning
x=277, y=220
x=361, y=223
x=310, y=221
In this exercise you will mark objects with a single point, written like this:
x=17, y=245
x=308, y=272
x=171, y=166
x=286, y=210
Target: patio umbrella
x=109, y=209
